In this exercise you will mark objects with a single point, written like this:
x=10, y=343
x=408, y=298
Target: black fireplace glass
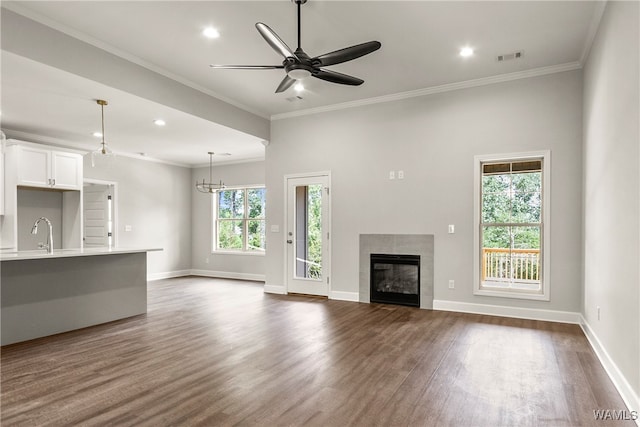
x=395, y=279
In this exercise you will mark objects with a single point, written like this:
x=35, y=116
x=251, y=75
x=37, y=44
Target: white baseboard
x=344, y=296
x=504, y=311
x=167, y=275
x=273, y=289
x=228, y=275
x=631, y=399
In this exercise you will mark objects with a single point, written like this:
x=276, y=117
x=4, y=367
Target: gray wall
x=155, y=199
x=434, y=139
x=248, y=266
x=612, y=189
x=33, y=204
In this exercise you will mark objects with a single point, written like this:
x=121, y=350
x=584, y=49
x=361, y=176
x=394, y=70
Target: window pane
x=510, y=254
x=496, y=237
x=527, y=182
x=256, y=197
x=526, y=237
x=526, y=204
x=496, y=184
x=495, y=208
x=256, y=231
x=314, y=212
x=230, y=235
x=231, y=203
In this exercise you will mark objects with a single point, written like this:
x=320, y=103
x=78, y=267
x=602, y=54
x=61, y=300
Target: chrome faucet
x=34, y=230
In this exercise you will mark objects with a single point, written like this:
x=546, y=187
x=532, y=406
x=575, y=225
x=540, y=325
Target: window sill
x=511, y=294
x=244, y=253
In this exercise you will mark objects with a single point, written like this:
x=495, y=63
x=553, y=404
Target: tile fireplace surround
x=398, y=244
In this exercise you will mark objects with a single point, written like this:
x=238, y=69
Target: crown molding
x=536, y=72
x=82, y=148
x=230, y=162
x=593, y=30
x=44, y=20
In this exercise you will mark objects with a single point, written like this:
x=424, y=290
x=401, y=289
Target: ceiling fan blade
x=274, y=41
x=247, y=67
x=335, y=77
x=347, y=54
x=285, y=84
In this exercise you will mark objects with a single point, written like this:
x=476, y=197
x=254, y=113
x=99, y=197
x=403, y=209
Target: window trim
x=545, y=250
x=215, y=250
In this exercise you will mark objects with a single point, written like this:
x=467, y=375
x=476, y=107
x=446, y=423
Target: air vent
x=510, y=56
x=294, y=98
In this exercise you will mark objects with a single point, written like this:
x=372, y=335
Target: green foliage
x=314, y=230
x=511, y=199
x=232, y=220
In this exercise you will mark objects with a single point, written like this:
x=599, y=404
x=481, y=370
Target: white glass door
x=308, y=235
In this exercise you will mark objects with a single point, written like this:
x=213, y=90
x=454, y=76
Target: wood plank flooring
x=221, y=352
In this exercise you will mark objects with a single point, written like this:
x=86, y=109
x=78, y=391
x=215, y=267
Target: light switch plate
x=452, y=228
x=275, y=228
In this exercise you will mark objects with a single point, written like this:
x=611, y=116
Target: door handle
x=289, y=241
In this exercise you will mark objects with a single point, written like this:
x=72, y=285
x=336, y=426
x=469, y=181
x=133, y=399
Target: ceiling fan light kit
x=298, y=65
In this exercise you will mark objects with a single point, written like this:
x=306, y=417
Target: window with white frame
x=512, y=224
x=239, y=220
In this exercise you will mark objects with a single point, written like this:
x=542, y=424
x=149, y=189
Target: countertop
x=68, y=253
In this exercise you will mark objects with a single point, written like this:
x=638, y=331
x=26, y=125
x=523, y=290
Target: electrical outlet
x=128, y=228
x=452, y=228
x=400, y=174
x=452, y=284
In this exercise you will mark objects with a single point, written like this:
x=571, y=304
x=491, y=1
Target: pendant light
x=209, y=187
x=104, y=149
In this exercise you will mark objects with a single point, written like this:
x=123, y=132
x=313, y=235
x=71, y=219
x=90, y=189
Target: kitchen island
x=44, y=294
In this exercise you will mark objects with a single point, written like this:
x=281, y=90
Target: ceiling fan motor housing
x=299, y=69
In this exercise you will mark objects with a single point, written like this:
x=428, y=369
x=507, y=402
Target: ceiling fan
x=298, y=65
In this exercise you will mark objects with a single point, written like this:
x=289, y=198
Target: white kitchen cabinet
x=40, y=168
x=46, y=168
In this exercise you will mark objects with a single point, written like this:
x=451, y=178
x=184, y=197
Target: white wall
x=225, y=265
x=434, y=139
x=611, y=193
x=153, y=198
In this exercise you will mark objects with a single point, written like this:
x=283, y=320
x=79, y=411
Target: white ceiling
x=420, y=44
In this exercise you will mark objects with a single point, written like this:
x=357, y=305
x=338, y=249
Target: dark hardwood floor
x=221, y=352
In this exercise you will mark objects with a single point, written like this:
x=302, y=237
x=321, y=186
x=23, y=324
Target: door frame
x=326, y=263
x=115, y=199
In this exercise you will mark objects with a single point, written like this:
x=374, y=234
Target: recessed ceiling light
x=210, y=33
x=97, y=134
x=159, y=122
x=466, y=51
x=299, y=87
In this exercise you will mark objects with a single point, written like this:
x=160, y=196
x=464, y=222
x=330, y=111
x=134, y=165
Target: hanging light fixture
x=104, y=149
x=209, y=187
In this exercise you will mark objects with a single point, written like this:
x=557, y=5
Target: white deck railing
x=513, y=265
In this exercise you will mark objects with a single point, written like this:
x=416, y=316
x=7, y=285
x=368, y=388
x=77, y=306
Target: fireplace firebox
x=395, y=279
